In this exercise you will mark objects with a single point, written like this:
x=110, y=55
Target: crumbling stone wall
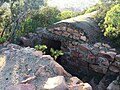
x=81, y=52
x=78, y=52
x=81, y=58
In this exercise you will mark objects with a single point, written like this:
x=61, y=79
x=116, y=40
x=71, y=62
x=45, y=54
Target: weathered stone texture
x=80, y=53
x=28, y=69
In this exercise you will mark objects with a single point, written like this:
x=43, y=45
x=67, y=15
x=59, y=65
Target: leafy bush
x=43, y=17
x=112, y=25
x=2, y=39
x=41, y=48
x=56, y=53
x=105, y=19
x=103, y=7
x=67, y=14
x=91, y=9
x=112, y=22
x=5, y=14
x=82, y=13
x=29, y=26
x=99, y=18
x=46, y=16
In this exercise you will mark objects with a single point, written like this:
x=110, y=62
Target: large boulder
x=24, y=68
x=56, y=83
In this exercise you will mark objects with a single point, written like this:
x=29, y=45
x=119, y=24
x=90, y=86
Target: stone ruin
x=83, y=57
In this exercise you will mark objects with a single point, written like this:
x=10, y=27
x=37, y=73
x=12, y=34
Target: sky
x=75, y=5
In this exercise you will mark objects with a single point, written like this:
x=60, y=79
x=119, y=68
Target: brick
x=83, y=38
x=114, y=69
x=109, y=56
x=91, y=56
x=69, y=30
x=74, y=53
x=58, y=32
x=83, y=47
x=83, y=63
x=116, y=63
x=98, y=68
x=65, y=34
x=117, y=57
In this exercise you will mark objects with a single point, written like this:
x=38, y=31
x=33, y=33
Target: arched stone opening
x=50, y=43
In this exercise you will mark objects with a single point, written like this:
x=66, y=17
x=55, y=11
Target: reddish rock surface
x=21, y=87
x=28, y=69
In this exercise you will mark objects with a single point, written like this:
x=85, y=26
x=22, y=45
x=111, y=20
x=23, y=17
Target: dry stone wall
x=81, y=58
x=78, y=52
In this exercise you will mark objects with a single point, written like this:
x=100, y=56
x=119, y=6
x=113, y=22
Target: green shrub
x=2, y=39
x=112, y=22
x=102, y=10
x=56, y=53
x=29, y=26
x=46, y=16
x=82, y=13
x=67, y=14
x=5, y=14
x=112, y=25
x=99, y=18
x=43, y=17
x=91, y=9
x=41, y=48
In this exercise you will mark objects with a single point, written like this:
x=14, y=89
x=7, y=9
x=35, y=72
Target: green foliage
x=91, y=9
x=67, y=14
x=112, y=25
x=5, y=14
x=49, y=16
x=46, y=16
x=41, y=47
x=82, y=13
x=2, y=39
x=56, y=53
x=102, y=10
x=19, y=21
x=35, y=4
x=108, y=19
x=29, y=26
x=112, y=22
x=41, y=18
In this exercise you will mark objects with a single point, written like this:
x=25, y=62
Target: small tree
x=20, y=9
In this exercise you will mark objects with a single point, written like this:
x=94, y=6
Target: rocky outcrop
x=28, y=69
